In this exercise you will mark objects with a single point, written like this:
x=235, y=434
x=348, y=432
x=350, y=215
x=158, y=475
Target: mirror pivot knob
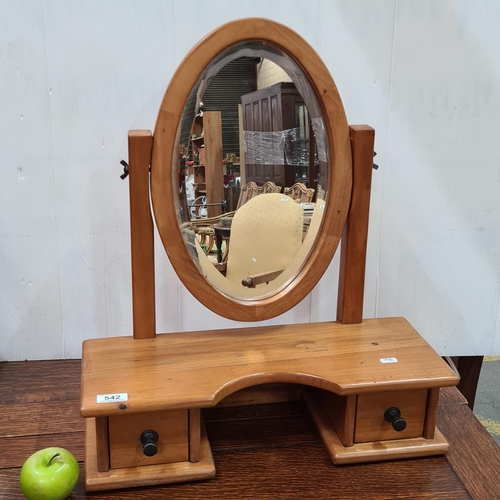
x=393, y=416
x=149, y=440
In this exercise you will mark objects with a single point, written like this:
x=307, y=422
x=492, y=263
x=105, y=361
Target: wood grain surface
x=199, y=369
x=140, y=145
x=260, y=451
x=355, y=236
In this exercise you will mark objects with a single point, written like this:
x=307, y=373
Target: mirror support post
x=140, y=146
x=355, y=235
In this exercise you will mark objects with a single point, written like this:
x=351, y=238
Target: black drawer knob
x=393, y=416
x=149, y=440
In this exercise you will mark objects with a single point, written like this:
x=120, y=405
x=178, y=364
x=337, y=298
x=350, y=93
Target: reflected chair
x=203, y=226
x=299, y=192
x=251, y=190
x=266, y=235
x=269, y=187
x=247, y=192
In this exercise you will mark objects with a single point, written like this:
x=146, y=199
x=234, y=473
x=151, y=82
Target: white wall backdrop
x=75, y=76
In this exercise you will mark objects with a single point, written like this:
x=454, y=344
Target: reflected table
x=221, y=233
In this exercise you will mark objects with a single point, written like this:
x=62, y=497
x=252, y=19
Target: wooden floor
x=260, y=452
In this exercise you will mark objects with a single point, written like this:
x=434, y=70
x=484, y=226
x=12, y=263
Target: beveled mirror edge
x=339, y=180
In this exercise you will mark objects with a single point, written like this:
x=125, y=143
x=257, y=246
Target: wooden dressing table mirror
x=372, y=386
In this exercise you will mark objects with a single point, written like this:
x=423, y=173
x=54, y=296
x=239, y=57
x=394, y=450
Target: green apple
x=49, y=474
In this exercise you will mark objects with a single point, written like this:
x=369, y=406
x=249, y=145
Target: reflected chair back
x=299, y=192
x=266, y=234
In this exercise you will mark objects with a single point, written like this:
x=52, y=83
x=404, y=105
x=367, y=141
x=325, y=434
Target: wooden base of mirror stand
x=350, y=376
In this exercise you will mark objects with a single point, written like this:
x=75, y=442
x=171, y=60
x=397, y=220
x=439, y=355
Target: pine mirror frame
x=165, y=145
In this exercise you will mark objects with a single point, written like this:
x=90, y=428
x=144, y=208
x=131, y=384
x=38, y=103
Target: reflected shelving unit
x=206, y=141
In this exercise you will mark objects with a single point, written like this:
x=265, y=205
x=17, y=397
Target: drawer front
x=370, y=422
x=126, y=448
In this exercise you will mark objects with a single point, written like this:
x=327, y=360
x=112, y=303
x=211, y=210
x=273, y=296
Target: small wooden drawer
x=370, y=423
x=126, y=449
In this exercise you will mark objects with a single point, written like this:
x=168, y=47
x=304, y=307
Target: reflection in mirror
x=251, y=169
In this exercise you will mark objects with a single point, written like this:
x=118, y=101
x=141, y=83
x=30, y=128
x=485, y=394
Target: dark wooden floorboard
x=40, y=418
x=468, y=459
x=260, y=452
x=15, y=450
x=302, y=471
x=450, y=396
x=20, y=382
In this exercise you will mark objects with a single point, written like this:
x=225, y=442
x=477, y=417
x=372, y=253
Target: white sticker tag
x=112, y=398
x=388, y=360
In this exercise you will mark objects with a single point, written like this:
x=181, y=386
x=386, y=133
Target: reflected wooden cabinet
x=280, y=113
x=206, y=141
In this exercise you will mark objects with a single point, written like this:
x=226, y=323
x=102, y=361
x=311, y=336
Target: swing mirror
x=284, y=124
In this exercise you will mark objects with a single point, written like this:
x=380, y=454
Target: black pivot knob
x=393, y=415
x=149, y=440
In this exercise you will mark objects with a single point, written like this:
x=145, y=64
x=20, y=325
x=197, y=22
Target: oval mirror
x=251, y=170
